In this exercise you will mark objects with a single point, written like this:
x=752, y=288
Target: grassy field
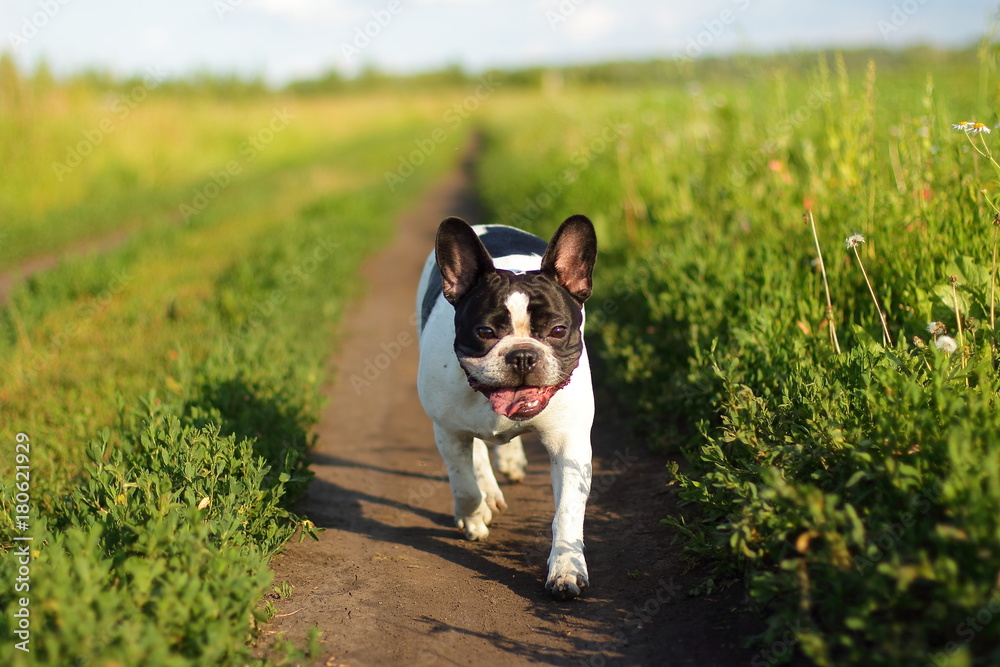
x=843, y=465
x=160, y=395
x=847, y=468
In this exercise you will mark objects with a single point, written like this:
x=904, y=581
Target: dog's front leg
x=570, y=456
x=472, y=513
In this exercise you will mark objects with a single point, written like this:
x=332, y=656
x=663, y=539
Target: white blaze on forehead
x=517, y=305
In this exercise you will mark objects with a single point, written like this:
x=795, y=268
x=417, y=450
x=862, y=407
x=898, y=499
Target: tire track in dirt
x=12, y=277
x=391, y=581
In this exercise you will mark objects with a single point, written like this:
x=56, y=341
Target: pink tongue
x=508, y=401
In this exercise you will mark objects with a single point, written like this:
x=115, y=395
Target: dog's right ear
x=461, y=257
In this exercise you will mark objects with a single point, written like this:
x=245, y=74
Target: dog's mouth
x=518, y=403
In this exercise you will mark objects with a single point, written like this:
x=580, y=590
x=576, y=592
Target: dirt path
x=391, y=582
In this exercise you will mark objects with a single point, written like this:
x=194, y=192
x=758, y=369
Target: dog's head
x=517, y=335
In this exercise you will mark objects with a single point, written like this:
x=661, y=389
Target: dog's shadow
x=329, y=505
x=515, y=555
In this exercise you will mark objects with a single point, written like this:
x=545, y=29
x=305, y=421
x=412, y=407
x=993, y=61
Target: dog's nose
x=523, y=359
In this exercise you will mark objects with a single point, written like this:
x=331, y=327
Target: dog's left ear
x=570, y=256
x=461, y=257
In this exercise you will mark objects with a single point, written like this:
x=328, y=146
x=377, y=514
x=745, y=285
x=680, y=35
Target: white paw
x=495, y=501
x=511, y=461
x=567, y=577
x=474, y=524
x=474, y=527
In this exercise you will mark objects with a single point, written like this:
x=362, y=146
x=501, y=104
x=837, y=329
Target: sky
x=283, y=40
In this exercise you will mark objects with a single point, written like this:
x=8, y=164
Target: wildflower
x=936, y=328
x=852, y=244
x=946, y=344
x=971, y=127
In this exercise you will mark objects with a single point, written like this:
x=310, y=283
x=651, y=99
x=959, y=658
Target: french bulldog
x=500, y=324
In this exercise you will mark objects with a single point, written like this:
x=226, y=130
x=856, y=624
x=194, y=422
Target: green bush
x=857, y=492
x=160, y=553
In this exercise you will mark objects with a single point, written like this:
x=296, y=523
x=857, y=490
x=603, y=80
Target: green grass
x=168, y=387
x=856, y=493
x=91, y=163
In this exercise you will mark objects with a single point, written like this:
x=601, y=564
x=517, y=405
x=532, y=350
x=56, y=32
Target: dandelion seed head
x=936, y=328
x=946, y=344
x=855, y=240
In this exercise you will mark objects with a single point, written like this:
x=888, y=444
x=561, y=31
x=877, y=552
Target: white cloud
x=309, y=10
x=592, y=21
x=452, y=2
x=156, y=39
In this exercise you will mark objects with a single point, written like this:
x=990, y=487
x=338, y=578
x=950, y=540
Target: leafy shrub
x=167, y=538
x=858, y=491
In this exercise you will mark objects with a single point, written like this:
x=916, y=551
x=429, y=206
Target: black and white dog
x=501, y=354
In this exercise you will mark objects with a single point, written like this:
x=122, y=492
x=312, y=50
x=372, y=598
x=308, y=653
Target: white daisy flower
x=964, y=126
x=946, y=344
x=855, y=240
x=978, y=128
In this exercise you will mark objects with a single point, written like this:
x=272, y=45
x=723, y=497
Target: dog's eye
x=485, y=333
x=558, y=332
